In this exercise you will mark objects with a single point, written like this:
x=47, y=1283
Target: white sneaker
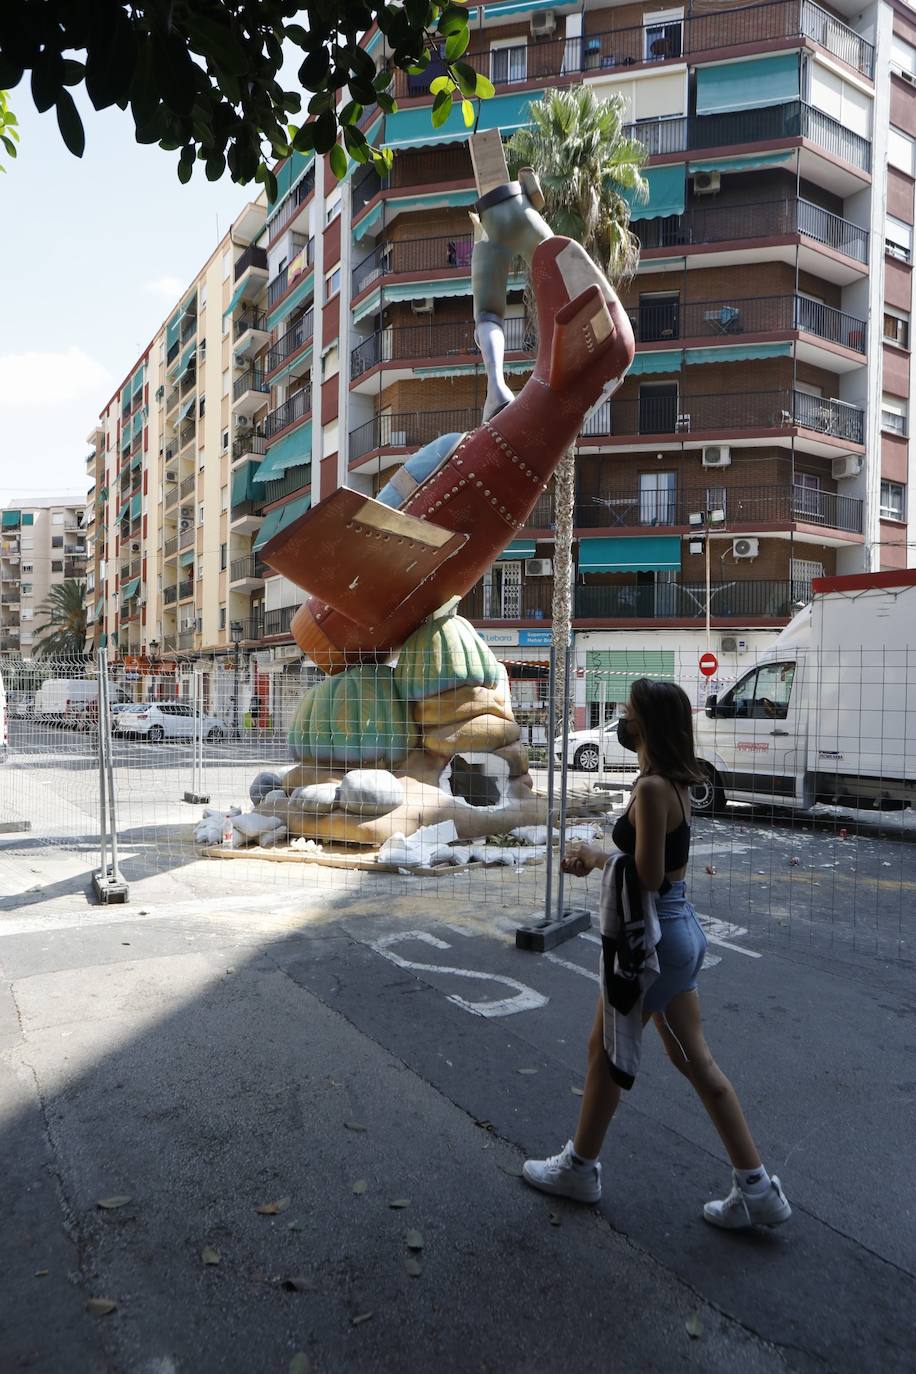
x=561, y=1176
x=740, y=1210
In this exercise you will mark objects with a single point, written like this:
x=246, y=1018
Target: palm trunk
x=564, y=506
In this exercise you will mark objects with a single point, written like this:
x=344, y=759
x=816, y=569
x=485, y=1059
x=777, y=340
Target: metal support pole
x=196, y=795
x=103, y=809
x=551, y=708
x=708, y=591
x=564, y=777
x=602, y=713
x=109, y=886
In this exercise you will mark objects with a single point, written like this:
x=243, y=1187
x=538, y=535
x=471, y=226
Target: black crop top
x=677, y=841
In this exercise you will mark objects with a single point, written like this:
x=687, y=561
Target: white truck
x=72, y=700
x=828, y=714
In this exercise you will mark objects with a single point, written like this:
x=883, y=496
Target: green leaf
x=419, y=67
x=320, y=102
x=111, y=1204
x=441, y=83
x=338, y=162
x=351, y=113
x=184, y=171
x=467, y=111
x=484, y=87
x=70, y=124
x=304, y=140
x=383, y=80
x=298, y=35
x=457, y=43
x=386, y=103
x=314, y=69
x=72, y=73
x=215, y=166
x=441, y=108
x=466, y=77
x=452, y=21
x=357, y=150
x=325, y=127
x=9, y=145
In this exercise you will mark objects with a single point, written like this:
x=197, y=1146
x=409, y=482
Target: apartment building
x=42, y=544
x=768, y=408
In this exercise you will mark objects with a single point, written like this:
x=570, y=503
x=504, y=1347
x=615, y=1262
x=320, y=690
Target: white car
x=582, y=748
x=161, y=720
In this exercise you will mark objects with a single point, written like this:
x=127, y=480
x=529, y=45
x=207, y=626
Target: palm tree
x=65, y=629
x=584, y=163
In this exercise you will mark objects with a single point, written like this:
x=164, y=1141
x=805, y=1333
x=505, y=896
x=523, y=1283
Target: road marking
x=525, y=999
x=574, y=968
x=715, y=932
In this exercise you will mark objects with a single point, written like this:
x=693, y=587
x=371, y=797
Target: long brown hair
x=662, y=714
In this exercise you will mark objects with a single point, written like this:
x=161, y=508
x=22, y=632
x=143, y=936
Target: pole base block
x=545, y=935
x=108, y=889
x=14, y=827
x=196, y=798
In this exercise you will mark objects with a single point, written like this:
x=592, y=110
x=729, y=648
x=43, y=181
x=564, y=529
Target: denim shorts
x=680, y=951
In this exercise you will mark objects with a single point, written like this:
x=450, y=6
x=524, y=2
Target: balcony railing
x=657, y=321
x=250, y=319
x=186, y=538
x=410, y=430
x=170, y=546
x=248, y=443
x=733, y=600
x=365, y=189
x=532, y=601
x=290, y=206
x=253, y=256
x=248, y=567
x=281, y=282
x=187, y=486
x=294, y=479
x=413, y=255
x=772, y=124
x=185, y=589
x=703, y=224
x=253, y=628
x=295, y=338
x=626, y=507
x=296, y=407
x=170, y=595
x=277, y=622
x=186, y=640
x=727, y=412
x=405, y=343
x=252, y=379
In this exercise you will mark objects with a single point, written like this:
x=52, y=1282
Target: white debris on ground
x=537, y=834
x=304, y=846
x=217, y=826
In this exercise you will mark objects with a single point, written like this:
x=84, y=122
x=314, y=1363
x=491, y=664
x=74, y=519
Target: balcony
x=253, y=259
x=289, y=207
x=75, y=567
x=773, y=124
x=186, y=640
x=277, y=622
x=408, y=431
x=730, y=601
x=296, y=407
x=293, y=480
x=248, y=392
x=253, y=628
x=250, y=331
x=185, y=589
x=421, y=342
x=186, y=538
x=188, y=486
x=248, y=445
x=747, y=508
x=246, y=574
x=296, y=337
x=304, y=251
x=729, y=414
x=170, y=547
x=660, y=321
x=439, y=254
x=170, y=595
x=533, y=600
x=170, y=491
x=703, y=225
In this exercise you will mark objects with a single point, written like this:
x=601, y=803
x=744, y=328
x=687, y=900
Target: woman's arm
x=581, y=858
x=650, y=815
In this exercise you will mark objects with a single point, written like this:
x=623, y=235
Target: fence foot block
x=196, y=798
x=109, y=889
x=12, y=827
x=544, y=935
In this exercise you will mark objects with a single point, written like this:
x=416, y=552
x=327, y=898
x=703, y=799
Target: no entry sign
x=708, y=664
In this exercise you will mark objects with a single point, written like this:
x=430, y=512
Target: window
x=763, y=695
x=893, y=415
x=332, y=207
x=658, y=412
x=903, y=56
x=658, y=317
x=200, y=569
x=27, y=568
x=900, y=151
x=57, y=541
x=508, y=61
x=222, y=557
x=893, y=501
x=227, y=263
x=332, y=284
x=57, y=567
x=57, y=518
x=657, y=498
x=896, y=327
x=203, y=295
x=663, y=35
x=226, y=381
x=201, y=409
x=26, y=589
x=225, y=440
x=27, y=613
x=200, y=515
x=807, y=502
x=222, y=617
x=330, y=362
x=223, y=499
x=898, y=238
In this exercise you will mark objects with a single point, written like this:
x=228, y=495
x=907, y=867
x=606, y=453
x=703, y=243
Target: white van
x=67, y=700
x=4, y=723
x=829, y=713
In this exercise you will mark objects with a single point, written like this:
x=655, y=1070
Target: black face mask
x=626, y=735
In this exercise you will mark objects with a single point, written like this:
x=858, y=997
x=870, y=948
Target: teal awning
x=524, y=7
x=289, y=452
x=243, y=485
x=176, y=373
x=137, y=380
x=277, y=520
x=287, y=176
x=450, y=199
x=289, y=303
x=136, y=503
x=737, y=353
x=506, y=112
x=123, y=511
x=746, y=85
x=187, y=558
x=519, y=548
x=131, y=589
x=137, y=423
x=748, y=163
x=171, y=330
x=136, y=461
x=662, y=360
x=367, y=224
x=617, y=669
x=186, y=409
x=10, y=519
x=413, y=128
x=667, y=193
x=636, y=553
x=237, y=295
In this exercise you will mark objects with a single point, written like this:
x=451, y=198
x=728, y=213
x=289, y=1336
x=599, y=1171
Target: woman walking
x=655, y=832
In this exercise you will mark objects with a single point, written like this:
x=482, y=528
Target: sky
x=94, y=252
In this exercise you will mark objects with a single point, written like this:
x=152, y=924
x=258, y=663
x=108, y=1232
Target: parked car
x=159, y=720
x=20, y=705
x=582, y=749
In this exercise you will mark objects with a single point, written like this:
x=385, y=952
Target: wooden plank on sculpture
x=489, y=161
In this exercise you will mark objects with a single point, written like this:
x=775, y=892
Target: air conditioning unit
x=543, y=23
x=538, y=567
x=905, y=76
x=243, y=422
x=160, y=392
x=716, y=456
x=135, y=547
x=745, y=548
x=184, y=525
x=730, y=644
x=423, y=306
x=171, y=476
x=846, y=467
x=707, y=183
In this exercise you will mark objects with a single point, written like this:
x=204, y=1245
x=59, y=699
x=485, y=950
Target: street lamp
x=712, y=518
x=153, y=656
x=236, y=634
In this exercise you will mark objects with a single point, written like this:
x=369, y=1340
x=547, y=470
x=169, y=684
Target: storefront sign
x=500, y=639
x=533, y=638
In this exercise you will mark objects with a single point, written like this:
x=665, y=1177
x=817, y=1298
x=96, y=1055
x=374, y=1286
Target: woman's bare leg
x=600, y=1097
x=709, y=1082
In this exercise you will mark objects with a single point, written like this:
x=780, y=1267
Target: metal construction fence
x=802, y=831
